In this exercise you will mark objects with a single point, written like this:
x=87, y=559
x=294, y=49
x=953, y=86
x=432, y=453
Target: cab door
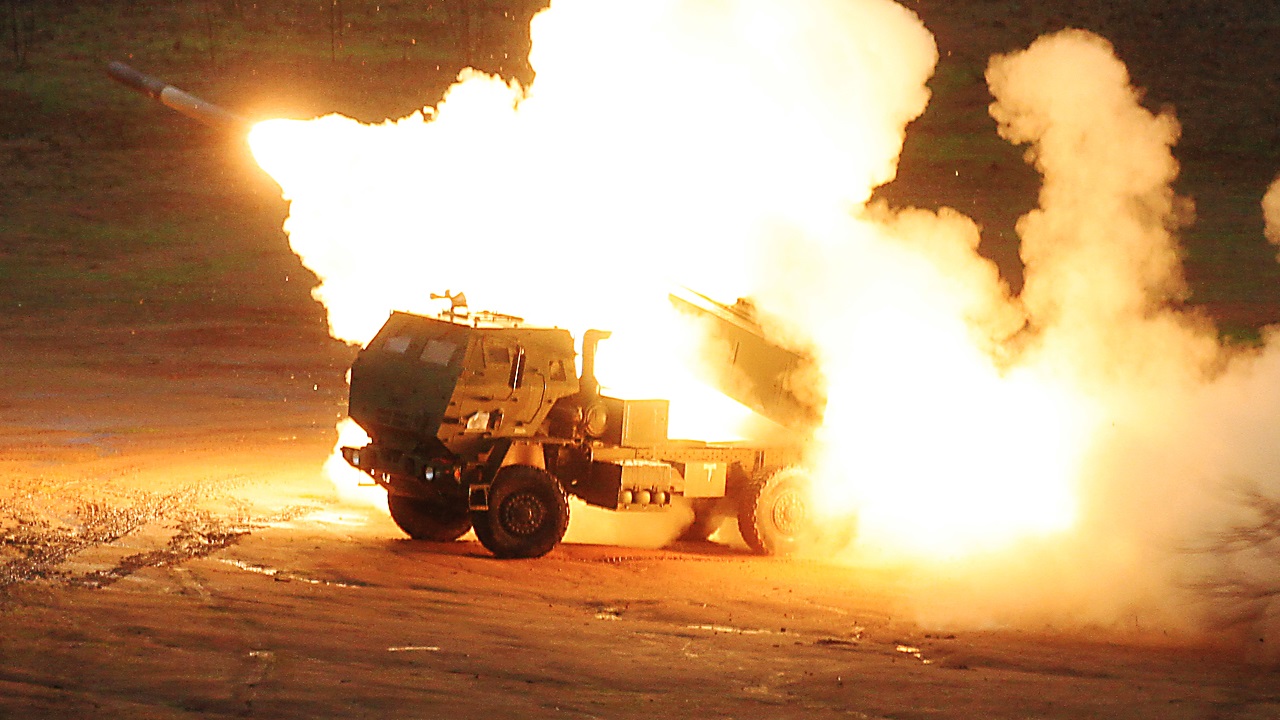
x=497, y=381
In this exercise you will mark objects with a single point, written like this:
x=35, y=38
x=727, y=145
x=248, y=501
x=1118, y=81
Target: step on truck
x=478, y=422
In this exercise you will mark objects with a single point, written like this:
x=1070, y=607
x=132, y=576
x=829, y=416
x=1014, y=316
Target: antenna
x=457, y=305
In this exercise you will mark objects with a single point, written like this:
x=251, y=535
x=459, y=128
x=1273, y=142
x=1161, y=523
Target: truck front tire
x=429, y=519
x=527, y=516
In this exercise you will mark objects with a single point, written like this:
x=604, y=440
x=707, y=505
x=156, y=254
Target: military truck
x=477, y=421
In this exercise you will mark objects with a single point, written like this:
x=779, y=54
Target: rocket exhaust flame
x=1050, y=452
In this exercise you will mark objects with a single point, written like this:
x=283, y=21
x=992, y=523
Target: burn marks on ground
x=88, y=542
x=196, y=537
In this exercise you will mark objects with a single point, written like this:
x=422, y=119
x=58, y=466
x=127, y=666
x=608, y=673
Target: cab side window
x=487, y=362
x=496, y=356
x=398, y=344
x=556, y=371
x=439, y=352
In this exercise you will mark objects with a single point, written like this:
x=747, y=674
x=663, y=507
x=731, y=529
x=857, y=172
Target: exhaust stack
x=589, y=386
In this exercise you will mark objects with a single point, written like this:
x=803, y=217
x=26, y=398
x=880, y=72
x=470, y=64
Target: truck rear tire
x=428, y=519
x=774, y=514
x=527, y=516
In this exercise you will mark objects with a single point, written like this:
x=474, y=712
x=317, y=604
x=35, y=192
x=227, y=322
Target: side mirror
x=516, y=381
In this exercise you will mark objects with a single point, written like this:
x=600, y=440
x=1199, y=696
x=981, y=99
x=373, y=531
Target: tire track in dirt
x=197, y=536
x=37, y=546
x=41, y=545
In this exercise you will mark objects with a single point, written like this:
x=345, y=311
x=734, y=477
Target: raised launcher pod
x=176, y=99
x=781, y=384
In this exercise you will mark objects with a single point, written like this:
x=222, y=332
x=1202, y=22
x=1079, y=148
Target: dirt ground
x=170, y=548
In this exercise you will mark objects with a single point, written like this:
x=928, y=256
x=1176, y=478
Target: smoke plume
x=1177, y=486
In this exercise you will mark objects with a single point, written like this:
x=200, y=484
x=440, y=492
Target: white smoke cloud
x=1183, y=457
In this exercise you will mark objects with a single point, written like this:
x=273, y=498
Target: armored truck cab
x=427, y=389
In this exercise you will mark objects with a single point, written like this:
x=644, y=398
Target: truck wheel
x=429, y=519
x=774, y=514
x=527, y=516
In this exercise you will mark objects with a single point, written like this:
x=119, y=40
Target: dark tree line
x=20, y=23
x=489, y=34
